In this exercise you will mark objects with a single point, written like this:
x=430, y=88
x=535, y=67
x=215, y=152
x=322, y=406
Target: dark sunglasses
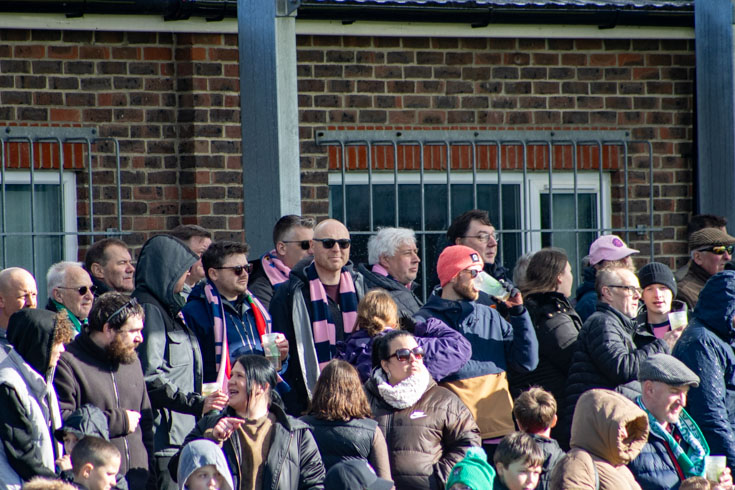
x=329, y=242
x=132, y=303
x=403, y=355
x=719, y=250
x=239, y=269
x=304, y=244
x=82, y=290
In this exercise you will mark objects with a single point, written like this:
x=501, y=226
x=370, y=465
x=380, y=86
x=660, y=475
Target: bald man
x=316, y=308
x=17, y=291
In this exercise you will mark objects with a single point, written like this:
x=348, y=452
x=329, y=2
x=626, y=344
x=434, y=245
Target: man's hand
x=225, y=427
x=133, y=419
x=672, y=336
x=514, y=300
x=725, y=481
x=215, y=401
x=64, y=462
x=282, y=343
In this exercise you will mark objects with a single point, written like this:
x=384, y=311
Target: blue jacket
x=654, y=467
x=586, y=296
x=706, y=347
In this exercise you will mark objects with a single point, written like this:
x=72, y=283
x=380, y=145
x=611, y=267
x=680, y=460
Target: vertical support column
x=715, y=108
x=269, y=115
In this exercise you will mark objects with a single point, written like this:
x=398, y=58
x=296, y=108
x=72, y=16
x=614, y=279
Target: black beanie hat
x=657, y=273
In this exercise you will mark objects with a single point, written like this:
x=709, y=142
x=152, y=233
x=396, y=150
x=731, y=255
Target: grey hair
x=386, y=241
x=57, y=274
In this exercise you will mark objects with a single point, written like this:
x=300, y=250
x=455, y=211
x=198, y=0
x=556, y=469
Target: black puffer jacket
x=169, y=355
x=557, y=326
x=408, y=303
x=426, y=440
x=293, y=460
x=339, y=440
x=606, y=356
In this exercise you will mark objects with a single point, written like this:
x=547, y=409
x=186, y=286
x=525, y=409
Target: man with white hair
x=393, y=265
x=70, y=288
x=17, y=291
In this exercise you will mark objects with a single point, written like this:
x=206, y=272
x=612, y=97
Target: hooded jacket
x=406, y=300
x=690, y=287
x=608, y=432
x=202, y=452
x=170, y=354
x=291, y=314
x=706, y=347
x=497, y=345
x=29, y=411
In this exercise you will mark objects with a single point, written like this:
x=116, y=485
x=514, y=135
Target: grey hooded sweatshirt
x=198, y=453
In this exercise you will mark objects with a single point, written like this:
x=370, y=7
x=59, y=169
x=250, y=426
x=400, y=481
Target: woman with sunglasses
x=427, y=428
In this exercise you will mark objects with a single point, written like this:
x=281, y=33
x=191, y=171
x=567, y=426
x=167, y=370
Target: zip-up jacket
x=84, y=375
x=406, y=300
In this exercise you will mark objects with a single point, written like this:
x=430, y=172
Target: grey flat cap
x=667, y=369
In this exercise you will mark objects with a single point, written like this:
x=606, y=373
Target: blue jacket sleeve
x=446, y=349
x=520, y=342
x=706, y=403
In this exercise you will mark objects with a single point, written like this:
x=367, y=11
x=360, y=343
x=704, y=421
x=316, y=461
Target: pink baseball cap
x=609, y=247
x=455, y=259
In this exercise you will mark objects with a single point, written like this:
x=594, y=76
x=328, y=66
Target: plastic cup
x=270, y=348
x=714, y=466
x=209, y=388
x=488, y=284
x=678, y=319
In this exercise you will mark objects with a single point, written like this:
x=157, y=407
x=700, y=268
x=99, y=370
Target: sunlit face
x=566, y=279
x=70, y=440
x=664, y=401
x=290, y=250
x=68, y=294
x=20, y=292
x=623, y=298
x=475, y=238
x=103, y=477
x=198, y=245
x=118, y=272
x=657, y=298
x=334, y=258
x=464, y=285
x=237, y=387
x=519, y=475
x=124, y=341
x=229, y=284
x=397, y=370
x=711, y=262
x=403, y=266
x=205, y=478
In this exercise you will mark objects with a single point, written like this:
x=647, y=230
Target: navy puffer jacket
x=706, y=347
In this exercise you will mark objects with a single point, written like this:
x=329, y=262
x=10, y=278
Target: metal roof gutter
x=169, y=9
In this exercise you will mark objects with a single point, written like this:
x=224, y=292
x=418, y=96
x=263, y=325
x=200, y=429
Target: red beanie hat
x=455, y=259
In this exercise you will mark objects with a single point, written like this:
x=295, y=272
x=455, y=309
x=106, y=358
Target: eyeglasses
x=304, y=244
x=473, y=272
x=132, y=303
x=403, y=355
x=719, y=249
x=329, y=242
x=82, y=290
x=630, y=289
x=238, y=269
x=482, y=237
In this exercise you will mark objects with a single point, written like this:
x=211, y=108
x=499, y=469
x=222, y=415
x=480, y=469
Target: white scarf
x=406, y=393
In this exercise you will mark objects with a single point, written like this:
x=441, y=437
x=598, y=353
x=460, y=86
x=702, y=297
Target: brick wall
x=172, y=101
x=643, y=86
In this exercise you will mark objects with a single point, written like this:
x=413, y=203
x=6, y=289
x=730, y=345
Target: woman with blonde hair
x=446, y=349
x=339, y=415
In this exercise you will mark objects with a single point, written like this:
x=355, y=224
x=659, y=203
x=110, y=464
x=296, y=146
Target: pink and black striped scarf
x=274, y=268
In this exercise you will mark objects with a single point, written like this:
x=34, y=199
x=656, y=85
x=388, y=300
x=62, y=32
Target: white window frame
x=69, y=199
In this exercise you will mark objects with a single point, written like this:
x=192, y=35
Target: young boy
x=202, y=466
x=87, y=420
x=518, y=461
x=95, y=463
x=535, y=413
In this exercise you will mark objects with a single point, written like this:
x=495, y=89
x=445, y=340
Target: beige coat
x=608, y=431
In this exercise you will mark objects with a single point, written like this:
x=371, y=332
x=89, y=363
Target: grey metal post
x=269, y=114
x=715, y=166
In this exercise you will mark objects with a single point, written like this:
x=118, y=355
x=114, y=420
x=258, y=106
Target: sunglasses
x=473, y=272
x=238, y=269
x=329, y=242
x=132, y=303
x=82, y=290
x=719, y=250
x=403, y=355
x=304, y=244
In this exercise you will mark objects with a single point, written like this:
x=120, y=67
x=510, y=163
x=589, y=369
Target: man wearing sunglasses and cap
x=710, y=249
x=70, y=289
x=497, y=345
x=317, y=307
x=291, y=243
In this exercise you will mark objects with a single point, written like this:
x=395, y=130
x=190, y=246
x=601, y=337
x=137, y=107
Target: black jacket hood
x=31, y=333
x=162, y=261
